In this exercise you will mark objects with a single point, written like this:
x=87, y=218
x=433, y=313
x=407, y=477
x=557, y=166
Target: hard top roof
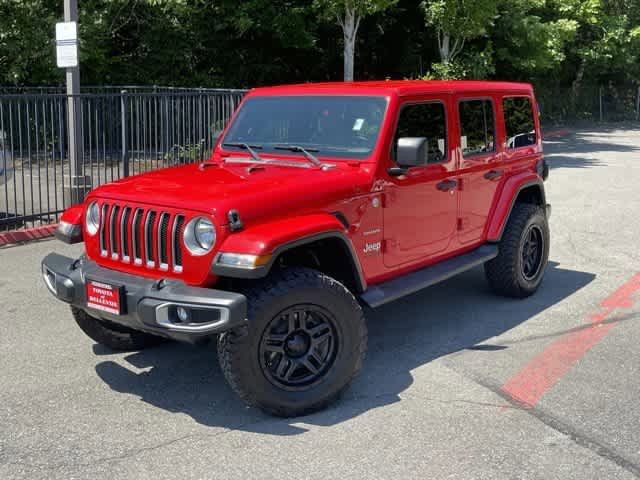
x=398, y=87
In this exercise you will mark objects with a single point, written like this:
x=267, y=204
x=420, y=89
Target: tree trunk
x=350, y=25
x=577, y=84
x=444, y=40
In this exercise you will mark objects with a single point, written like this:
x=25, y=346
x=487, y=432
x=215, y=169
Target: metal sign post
x=78, y=183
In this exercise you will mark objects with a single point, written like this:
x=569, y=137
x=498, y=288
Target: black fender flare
x=264, y=270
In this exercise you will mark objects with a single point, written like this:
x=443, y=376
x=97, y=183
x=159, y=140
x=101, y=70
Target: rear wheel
x=115, y=337
x=518, y=269
x=305, y=341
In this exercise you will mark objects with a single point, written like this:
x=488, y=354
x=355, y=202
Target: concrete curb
x=27, y=235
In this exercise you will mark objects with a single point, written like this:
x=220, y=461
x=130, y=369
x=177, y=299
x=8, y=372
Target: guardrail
x=123, y=133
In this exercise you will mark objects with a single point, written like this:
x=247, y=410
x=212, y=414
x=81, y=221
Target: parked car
x=317, y=199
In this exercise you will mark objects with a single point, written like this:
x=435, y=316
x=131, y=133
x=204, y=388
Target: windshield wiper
x=248, y=148
x=305, y=151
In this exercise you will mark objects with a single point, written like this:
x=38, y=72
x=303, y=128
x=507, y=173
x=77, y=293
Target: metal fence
x=124, y=132
x=9, y=89
x=133, y=129
x=589, y=103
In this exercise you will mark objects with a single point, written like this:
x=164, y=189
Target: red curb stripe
x=545, y=370
x=560, y=132
x=27, y=235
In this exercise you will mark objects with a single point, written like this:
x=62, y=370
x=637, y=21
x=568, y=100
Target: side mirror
x=412, y=151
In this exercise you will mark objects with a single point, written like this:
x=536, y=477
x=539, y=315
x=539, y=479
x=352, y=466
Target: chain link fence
x=125, y=131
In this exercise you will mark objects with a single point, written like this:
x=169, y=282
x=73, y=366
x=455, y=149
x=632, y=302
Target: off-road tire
x=115, y=337
x=239, y=349
x=505, y=273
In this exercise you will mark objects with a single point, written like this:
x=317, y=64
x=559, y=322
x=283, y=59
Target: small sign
x=357, y=126
x=67, y=44
x=105, y=297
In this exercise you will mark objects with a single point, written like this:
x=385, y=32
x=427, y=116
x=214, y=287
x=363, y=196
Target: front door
x=420, y=206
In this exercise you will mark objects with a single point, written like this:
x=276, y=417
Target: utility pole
x=79, y=184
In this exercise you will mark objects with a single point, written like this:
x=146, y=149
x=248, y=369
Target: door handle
x=493, y=174
x=447, y=185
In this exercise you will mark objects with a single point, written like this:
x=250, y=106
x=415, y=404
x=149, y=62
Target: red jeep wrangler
x=317, y=199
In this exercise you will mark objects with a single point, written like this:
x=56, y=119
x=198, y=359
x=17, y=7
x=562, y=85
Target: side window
x=424, y=120
x=518, y=120
x=477, y=127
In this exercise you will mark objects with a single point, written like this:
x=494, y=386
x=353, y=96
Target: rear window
x=477, y=127
x=518, y=121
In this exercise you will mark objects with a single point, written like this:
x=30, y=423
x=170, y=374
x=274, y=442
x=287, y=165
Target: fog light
x=183, y=314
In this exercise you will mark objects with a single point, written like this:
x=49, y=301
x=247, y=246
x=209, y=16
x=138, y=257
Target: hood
x=261, y=191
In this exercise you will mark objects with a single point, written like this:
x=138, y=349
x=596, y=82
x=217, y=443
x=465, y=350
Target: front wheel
x=518, y=269
x=305, y=342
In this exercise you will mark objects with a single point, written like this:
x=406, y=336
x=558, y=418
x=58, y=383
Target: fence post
x=79, y=184
x=600, y=102
x=638, y=104
x=124, y=130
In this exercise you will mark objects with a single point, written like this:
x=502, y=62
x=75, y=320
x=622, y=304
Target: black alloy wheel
x=532, y=252
x=298, y=346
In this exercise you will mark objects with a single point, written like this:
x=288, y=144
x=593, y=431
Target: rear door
x=481, y=169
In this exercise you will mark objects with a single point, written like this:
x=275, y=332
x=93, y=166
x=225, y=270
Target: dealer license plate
x=104, y=297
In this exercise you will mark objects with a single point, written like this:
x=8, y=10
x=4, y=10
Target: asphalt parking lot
x=457, y=384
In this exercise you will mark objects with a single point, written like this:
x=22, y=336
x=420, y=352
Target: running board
x=412, y=282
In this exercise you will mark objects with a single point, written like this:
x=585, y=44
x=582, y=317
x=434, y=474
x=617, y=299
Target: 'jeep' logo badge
x=372, y=247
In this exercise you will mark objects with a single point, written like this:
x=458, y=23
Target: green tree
x=607, y=45
x=531, y=38
x=456, y=21
x=349, y=14
x=27, y=51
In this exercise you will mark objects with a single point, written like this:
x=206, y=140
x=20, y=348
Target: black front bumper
x=148, y=305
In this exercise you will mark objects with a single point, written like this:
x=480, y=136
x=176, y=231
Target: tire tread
x=502, y=272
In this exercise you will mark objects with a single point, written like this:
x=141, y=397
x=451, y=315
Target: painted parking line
x=556, y=133
x=529, y=384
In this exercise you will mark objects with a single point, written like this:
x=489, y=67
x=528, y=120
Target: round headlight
x=200, y=236
x=205, y=234
x=92, y=219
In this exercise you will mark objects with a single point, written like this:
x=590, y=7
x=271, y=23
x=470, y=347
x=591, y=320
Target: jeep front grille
x=142, y=236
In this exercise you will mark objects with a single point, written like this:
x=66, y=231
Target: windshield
x=340, y=126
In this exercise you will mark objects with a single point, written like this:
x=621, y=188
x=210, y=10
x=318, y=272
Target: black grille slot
x=103, y=230
x=162, y=240
x=113, y=221
x=124, y=233
x=148, y=238
x=137, y=218
x=178, y=225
